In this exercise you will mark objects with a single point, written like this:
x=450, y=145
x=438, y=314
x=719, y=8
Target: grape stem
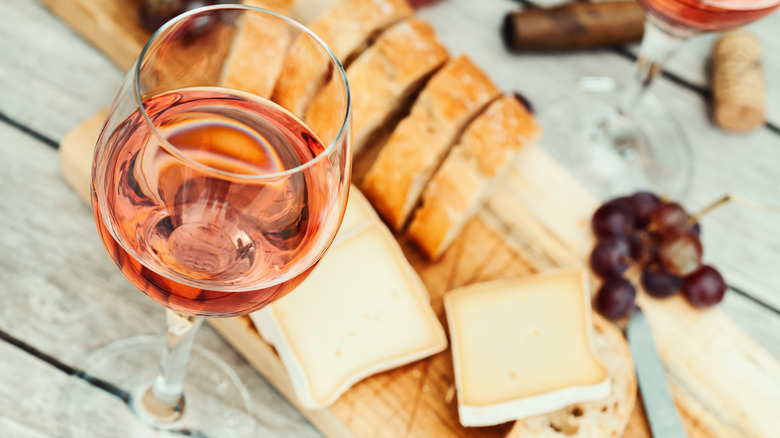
x=730, y=197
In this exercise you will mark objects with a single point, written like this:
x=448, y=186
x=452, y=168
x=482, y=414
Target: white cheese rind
x=478, y=416
x=487, y=395
x=363, y=310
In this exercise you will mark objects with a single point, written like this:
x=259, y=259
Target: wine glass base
x=658, y=156
x=102, y=398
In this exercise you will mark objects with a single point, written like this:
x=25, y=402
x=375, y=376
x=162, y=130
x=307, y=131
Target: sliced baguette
x=258, y=50
x=381, y=80
x=346, y=27
x=453, y=96
x=470, y=171
x=604, y=418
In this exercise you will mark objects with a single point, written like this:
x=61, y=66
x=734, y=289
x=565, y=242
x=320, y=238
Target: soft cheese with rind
x=381, y=79
x=601, y=418
x=346, y=27
x=363, y=310
x=523, y=347
x=457, y=190
x=452, y=98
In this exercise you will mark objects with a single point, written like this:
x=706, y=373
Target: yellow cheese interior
x=523, y=338
x=359, y=308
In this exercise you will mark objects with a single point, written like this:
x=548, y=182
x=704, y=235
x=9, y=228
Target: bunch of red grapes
x=663, y=240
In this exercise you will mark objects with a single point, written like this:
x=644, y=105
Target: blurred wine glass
x=618, y=139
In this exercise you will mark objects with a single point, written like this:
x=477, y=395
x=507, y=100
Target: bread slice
x=605, y=418
x=381, y=80
x=347, y=28
x=258, y=50
x=453, y=96
x=458, y=189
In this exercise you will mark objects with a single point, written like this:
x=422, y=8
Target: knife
x=659, y=406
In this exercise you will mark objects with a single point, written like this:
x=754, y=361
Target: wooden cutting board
x=724, y=383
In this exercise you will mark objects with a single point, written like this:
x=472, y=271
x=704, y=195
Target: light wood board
x=724, y=383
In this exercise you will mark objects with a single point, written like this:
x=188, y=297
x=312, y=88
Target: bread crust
x=605, y=418
x=380, y=80
x=257, y=54
x=453, y=96
x=458, y=189
x=346, y=28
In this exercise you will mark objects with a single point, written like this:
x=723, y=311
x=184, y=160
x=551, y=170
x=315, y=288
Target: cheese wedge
x=523, y=347
x=362, y=311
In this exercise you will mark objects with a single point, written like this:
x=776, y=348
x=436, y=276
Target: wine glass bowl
x=213, y=200
x=212, y=230
x=695, y=16
x=606, y=168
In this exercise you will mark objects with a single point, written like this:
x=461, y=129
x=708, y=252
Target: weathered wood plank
x=61, y=293
x=743, y=243
x=50, y=79
x=29, y=392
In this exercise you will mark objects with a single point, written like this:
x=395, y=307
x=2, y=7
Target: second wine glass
x=617, y=139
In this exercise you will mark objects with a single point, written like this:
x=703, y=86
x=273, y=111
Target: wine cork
x=574, y=26
x=738, y=82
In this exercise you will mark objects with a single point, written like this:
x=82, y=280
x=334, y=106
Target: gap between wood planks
x=29, y=131
x=65, y=368
x=705, y=93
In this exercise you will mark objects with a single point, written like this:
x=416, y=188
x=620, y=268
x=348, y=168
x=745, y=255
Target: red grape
x=681, y=254
x=659, y=282
x=669, y=219
x=612, y=220
x=636, y=246
x=704, y=287
x=155, y=13
x=696, y=229
x=642, y=205
x=610, y=256
x=615, y=298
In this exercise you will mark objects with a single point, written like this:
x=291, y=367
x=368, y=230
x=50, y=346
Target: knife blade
x=659, y=405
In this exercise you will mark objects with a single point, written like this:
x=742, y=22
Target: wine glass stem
x=657, y=45
x=618, y=130
x=164, y=401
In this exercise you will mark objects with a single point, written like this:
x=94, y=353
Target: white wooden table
x=61, y=296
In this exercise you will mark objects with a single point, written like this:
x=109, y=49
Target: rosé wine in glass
x=189, y=237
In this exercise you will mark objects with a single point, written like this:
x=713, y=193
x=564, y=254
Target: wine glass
x=619, y=139
x=213, y=201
